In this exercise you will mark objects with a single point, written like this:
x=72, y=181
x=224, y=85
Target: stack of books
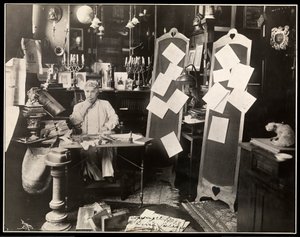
x=94, y=217
x=266, y=144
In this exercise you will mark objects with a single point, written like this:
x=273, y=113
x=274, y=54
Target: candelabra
x=136, y=66
x=73, y=66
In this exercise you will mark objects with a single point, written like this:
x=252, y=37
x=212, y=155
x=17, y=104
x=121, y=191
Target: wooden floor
x=158, y=196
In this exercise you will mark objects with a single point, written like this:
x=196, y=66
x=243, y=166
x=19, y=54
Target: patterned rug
x=154, y=193
x=213, y=216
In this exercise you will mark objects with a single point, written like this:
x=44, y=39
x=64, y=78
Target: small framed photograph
x=65, y=79
x=76, y=39
x=81, y=79
x=120, y=80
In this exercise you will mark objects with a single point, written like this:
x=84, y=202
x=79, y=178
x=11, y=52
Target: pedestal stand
x=56, y=219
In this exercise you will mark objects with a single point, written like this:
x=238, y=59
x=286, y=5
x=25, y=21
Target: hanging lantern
x=135, y=21
x=130, y=25
x=95, y=21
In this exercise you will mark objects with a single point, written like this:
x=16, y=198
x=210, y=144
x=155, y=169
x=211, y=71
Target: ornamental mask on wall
x=279, y=37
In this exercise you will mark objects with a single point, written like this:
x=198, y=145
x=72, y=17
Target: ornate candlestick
x=51, y=76
x=74, y=66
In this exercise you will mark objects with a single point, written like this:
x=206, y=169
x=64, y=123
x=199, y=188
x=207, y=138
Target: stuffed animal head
x=271, y=126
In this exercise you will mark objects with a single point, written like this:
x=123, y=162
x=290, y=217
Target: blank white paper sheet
x=240, y=76
x=161, y=84
x=177, y=101
x=157, y=107
x=173, y=53
x=227, y=57
x=171, y=144
x=215, y=95
x=242, y=100
x=221, y=106
x=221, y=75
x=218, y=129
x=173, y=71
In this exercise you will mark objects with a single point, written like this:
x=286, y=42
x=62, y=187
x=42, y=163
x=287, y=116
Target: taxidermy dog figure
x=285, y=134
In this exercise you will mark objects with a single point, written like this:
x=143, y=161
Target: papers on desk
x=86, y=144
x=218, y=129
x=173, y=53
x=126, y=136
x=149, y=221
x=189, y=120
x=171, y=144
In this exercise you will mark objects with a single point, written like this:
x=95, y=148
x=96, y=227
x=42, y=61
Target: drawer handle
x=123, y=108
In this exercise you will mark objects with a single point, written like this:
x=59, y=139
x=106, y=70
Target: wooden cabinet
x=266, y=197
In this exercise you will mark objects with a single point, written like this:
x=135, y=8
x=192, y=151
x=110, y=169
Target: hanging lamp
x=95, y=21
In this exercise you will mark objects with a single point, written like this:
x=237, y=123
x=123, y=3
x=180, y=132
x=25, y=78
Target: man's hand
x=87, y=103
x=105, y=130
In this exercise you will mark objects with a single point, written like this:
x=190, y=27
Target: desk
x=192, y=136
x=116, y=144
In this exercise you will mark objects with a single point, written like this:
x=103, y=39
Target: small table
x=116, y=144
x=192, y=136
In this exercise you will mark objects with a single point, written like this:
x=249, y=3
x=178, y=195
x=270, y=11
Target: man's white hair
x=91, y=83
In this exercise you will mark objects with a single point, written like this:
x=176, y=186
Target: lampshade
x=135, y=21
x=95, y=22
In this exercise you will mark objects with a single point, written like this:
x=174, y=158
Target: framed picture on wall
x=81, y=79
x=76, y=39
x=65, y=79
x=251, y=16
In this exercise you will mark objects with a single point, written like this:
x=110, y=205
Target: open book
x=266, y=144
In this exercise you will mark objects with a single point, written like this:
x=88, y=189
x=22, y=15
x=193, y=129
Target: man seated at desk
x=95, y=116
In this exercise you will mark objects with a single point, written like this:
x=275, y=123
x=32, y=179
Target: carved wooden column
x=56, y=219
